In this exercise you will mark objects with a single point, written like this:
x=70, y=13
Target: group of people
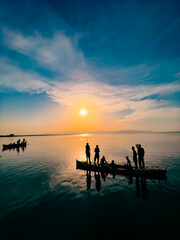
x=138, y=157
x=19, y=141
x=140, y=160
x=96, y=156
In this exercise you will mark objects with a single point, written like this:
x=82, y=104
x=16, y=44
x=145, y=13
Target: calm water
x=43, y=196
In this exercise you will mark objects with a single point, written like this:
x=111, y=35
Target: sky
x=118, y=60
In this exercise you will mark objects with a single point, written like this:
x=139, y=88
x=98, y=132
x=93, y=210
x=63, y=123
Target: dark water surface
x=43, y=196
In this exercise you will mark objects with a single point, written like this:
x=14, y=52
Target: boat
x=14, y=145
x=151, y=173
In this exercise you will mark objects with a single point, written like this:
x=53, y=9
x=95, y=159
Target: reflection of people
x=104, y=175
x=17, y=149
x=130, y=179
x=97, y=151
x=134, y=156
x=88, y=180
x=98, y=181
x=138, y=190
x=88, y=153
x=144, y=188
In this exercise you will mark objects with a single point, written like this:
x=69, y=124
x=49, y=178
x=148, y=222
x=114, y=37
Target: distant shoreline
x=89, y=132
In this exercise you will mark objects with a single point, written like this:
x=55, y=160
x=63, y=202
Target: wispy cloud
x=75, y=80
x=57, y=53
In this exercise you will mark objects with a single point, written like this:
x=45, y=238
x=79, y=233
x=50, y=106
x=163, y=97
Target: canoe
x=14, y=145
x=151, y=173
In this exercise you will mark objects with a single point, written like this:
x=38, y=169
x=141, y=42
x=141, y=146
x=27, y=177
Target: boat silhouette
x=151, y=173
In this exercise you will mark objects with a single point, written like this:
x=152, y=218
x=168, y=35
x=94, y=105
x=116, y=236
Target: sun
x=83, y=112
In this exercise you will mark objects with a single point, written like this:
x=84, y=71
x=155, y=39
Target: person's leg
x=98, y=160
x=89, y=158
x=135, y=164
x=143, y=165
x=139, y=162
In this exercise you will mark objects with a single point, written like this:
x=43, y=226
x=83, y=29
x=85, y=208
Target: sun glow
x=83, y=112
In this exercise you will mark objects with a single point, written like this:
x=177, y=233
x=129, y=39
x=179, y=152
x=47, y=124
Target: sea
x=44, y=196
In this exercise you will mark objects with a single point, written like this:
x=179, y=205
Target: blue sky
x=124, y=56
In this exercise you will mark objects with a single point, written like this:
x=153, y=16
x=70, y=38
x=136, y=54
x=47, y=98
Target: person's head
x=127, y=157
x=132, y=148
x=139, y=145
x=97, y=146
x=112, y=161
x=87, y=144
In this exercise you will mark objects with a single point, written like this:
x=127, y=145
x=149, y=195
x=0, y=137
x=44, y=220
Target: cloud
x=57, y=53
x=76, y=82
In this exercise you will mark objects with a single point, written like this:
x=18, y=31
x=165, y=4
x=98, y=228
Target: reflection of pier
x=140, y=183
x=141, y=188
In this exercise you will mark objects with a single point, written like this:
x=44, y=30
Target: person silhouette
x=142, y=152
x=97, y=151
x=88, y=153
x=18, y=141
x=128, y=161
x=139, y=154
x=134, y=156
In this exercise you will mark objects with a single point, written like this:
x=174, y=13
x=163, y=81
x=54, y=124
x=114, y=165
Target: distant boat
x=14, y=145
x=152, y=173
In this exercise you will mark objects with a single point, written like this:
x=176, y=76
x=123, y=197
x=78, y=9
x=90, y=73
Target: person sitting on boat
x=103, y=162
x=112, y=164
x=97, y=151
x=88, y=150
x=128, y=161
x=134, y=156
x=18, y=141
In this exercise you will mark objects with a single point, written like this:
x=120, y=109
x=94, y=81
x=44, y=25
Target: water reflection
x=140, y=183
x=17, y=149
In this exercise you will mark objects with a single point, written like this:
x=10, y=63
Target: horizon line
x=86, y=132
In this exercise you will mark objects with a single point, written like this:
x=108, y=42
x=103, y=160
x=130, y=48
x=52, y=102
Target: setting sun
x=83, y=112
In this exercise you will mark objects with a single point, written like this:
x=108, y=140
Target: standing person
x=97, y=151
x=88, y=154
x=142, y=156
x=134, y=156
x=139, y=154
x=18, y=141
